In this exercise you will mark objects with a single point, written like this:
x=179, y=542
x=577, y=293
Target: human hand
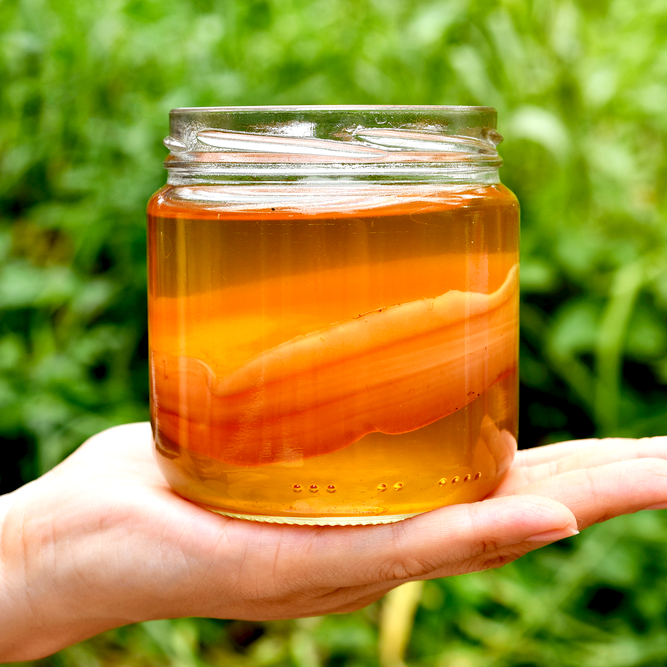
x=102, y=541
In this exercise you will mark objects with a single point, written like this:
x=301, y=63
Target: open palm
x=102, y=540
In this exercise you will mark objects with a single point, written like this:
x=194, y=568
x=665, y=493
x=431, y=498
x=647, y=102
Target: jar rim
x=430, y=141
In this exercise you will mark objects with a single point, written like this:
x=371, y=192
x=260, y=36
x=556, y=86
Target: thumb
x=477, y=536
x=447, y=541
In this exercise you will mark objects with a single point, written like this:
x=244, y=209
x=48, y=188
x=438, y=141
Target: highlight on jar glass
x=333, y=311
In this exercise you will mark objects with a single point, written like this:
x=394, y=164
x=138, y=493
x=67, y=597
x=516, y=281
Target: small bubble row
x=457, y=479
x=313, y=488
x=331, y=488
x=397, y=487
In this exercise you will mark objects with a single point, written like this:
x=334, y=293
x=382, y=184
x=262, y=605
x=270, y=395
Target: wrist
x=45, y=604
x=16, y=617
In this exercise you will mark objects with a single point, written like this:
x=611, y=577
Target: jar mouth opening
x=395, y=138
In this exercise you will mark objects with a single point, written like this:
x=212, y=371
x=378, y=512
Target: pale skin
x=101, y=541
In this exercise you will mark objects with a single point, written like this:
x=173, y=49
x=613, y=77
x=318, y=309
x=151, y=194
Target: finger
x=603, y=492
x=442, y=541
x=338, y=601
x=359, y=600
x=593, y=453
x=546, y=453
x=308, y=570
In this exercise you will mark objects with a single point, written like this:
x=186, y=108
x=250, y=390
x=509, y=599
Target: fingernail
x=657, y=506
x=553, y=535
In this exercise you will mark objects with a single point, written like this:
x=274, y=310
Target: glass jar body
x=333, y=352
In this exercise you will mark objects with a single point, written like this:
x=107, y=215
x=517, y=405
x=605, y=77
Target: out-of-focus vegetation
x=581, y=90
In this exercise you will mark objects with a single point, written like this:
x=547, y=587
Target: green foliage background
x=581, y=90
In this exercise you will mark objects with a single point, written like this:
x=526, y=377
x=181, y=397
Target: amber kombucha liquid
x=334, y=356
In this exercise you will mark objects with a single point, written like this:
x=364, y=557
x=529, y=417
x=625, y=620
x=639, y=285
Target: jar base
x=316, y=520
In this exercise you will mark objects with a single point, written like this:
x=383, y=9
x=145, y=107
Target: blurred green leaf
x=581, y=90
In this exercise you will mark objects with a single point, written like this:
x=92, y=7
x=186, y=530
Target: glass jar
x=333, y=311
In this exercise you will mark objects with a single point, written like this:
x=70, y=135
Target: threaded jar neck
x=390, y=144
